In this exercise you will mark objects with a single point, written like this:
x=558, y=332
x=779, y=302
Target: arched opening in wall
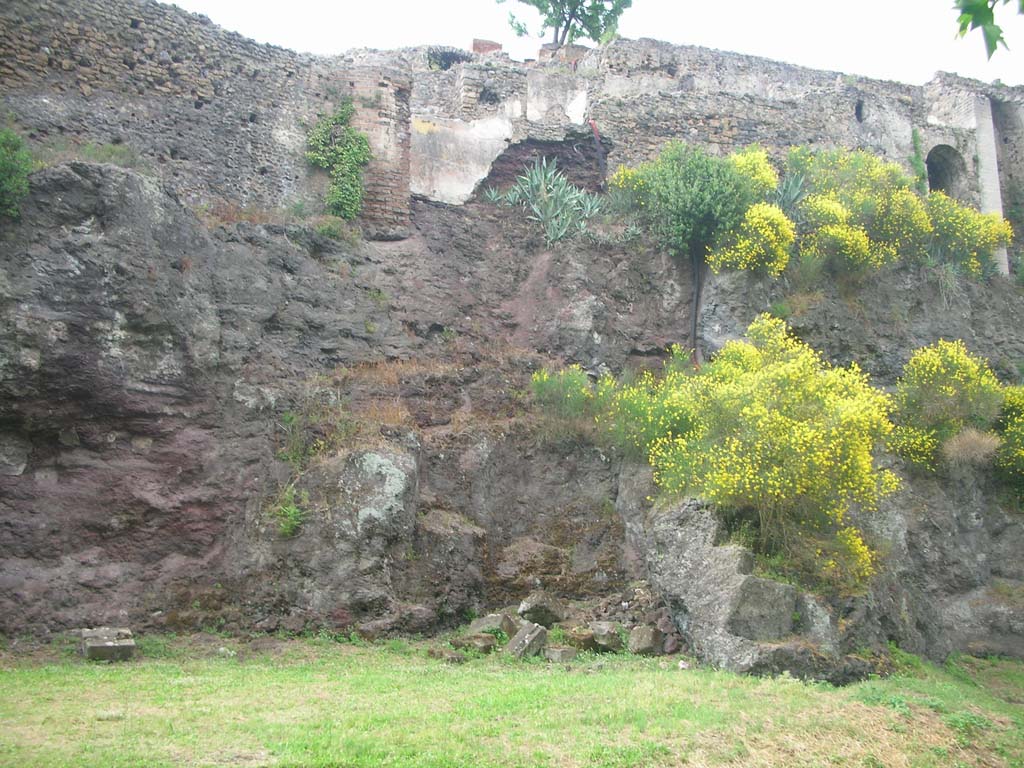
x=947, y=172
x=858, y=110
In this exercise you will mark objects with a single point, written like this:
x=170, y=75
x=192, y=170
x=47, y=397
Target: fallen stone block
x=107, y=644
x=559, y=655
x=528, y=641
x=582, y=639
x=481, y=643
x=606, y=636
x=646, y=640
x=494, y=622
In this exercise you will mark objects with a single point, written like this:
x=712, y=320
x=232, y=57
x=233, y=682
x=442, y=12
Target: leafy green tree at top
x=573, y=19
x=980, y=14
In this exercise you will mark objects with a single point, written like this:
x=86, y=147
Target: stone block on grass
x=646, y=640
x=529, y=641
x=606, y=636
x=559, y=654
x=107, y=644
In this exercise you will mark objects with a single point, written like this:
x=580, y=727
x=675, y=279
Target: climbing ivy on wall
x=342, y=151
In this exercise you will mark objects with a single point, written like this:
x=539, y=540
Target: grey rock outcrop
x=731, y=618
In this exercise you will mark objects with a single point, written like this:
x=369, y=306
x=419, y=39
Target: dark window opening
x=947, y=172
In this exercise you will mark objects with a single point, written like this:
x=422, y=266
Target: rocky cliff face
x=150, y=370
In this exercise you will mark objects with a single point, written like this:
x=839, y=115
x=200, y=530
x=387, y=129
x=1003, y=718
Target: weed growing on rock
x=15, y=165
x=289, y=509
x=342, y=151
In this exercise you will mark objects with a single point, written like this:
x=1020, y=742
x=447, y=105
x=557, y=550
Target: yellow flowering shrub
x=1010, y=458
x=823, y=210
x=843, y=248
x=777, y=429
x=901, y=226
x=918, y=446
x=965, y=237
x=753, y=163
x=843, y=172
x=771, y=432
x=943, y=390
x=761, y=243
x=1013, y=405
x=627, y=189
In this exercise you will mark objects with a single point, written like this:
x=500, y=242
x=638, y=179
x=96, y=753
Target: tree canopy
x=573, y=19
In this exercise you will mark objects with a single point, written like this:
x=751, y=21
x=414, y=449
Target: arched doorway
x=947, y=172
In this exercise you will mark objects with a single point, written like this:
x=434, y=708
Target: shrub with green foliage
x=690, y=199
x=342, y=151
x=15, y=166
x=289, y=509
x=944, y=389
x=566, y=394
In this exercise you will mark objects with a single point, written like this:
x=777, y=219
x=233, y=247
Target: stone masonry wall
x=219, y=116
x=223, y=118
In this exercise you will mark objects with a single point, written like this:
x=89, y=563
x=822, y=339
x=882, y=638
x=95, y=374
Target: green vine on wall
x=342, y=151
x=918, y=165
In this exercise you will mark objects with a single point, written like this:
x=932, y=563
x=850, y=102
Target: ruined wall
x=644, y=93
x=217, y=115
x=222, y=117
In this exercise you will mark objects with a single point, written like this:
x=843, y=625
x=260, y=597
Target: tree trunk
x=697, y=273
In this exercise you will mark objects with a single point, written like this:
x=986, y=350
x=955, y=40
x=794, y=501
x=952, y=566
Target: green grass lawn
x=319, y=703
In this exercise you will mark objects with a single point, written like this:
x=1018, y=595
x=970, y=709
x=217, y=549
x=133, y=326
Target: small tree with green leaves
x=570, y=20
x=342, y=151
x=15, y=166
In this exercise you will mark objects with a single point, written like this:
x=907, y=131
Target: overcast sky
x=905, y=40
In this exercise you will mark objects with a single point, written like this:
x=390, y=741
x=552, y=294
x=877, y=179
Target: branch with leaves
x=571, y=20
x=980, y=14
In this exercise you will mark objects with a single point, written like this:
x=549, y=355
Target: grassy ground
x=318, y=703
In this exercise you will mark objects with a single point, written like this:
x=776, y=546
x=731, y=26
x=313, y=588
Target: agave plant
x=493, y=196
x=561, y=208
x=789, y=193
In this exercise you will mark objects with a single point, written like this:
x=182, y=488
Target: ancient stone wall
x=217, y=115
x=222, y=117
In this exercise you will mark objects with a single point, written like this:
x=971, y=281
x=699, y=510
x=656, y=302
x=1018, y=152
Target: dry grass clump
x=970, y=448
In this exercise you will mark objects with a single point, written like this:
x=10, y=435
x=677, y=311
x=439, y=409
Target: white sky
x=905, y=40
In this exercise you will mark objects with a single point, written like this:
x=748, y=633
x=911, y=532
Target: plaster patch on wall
x=576, y=109
x=450, y=157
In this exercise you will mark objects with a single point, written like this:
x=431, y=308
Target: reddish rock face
x=152, y=373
